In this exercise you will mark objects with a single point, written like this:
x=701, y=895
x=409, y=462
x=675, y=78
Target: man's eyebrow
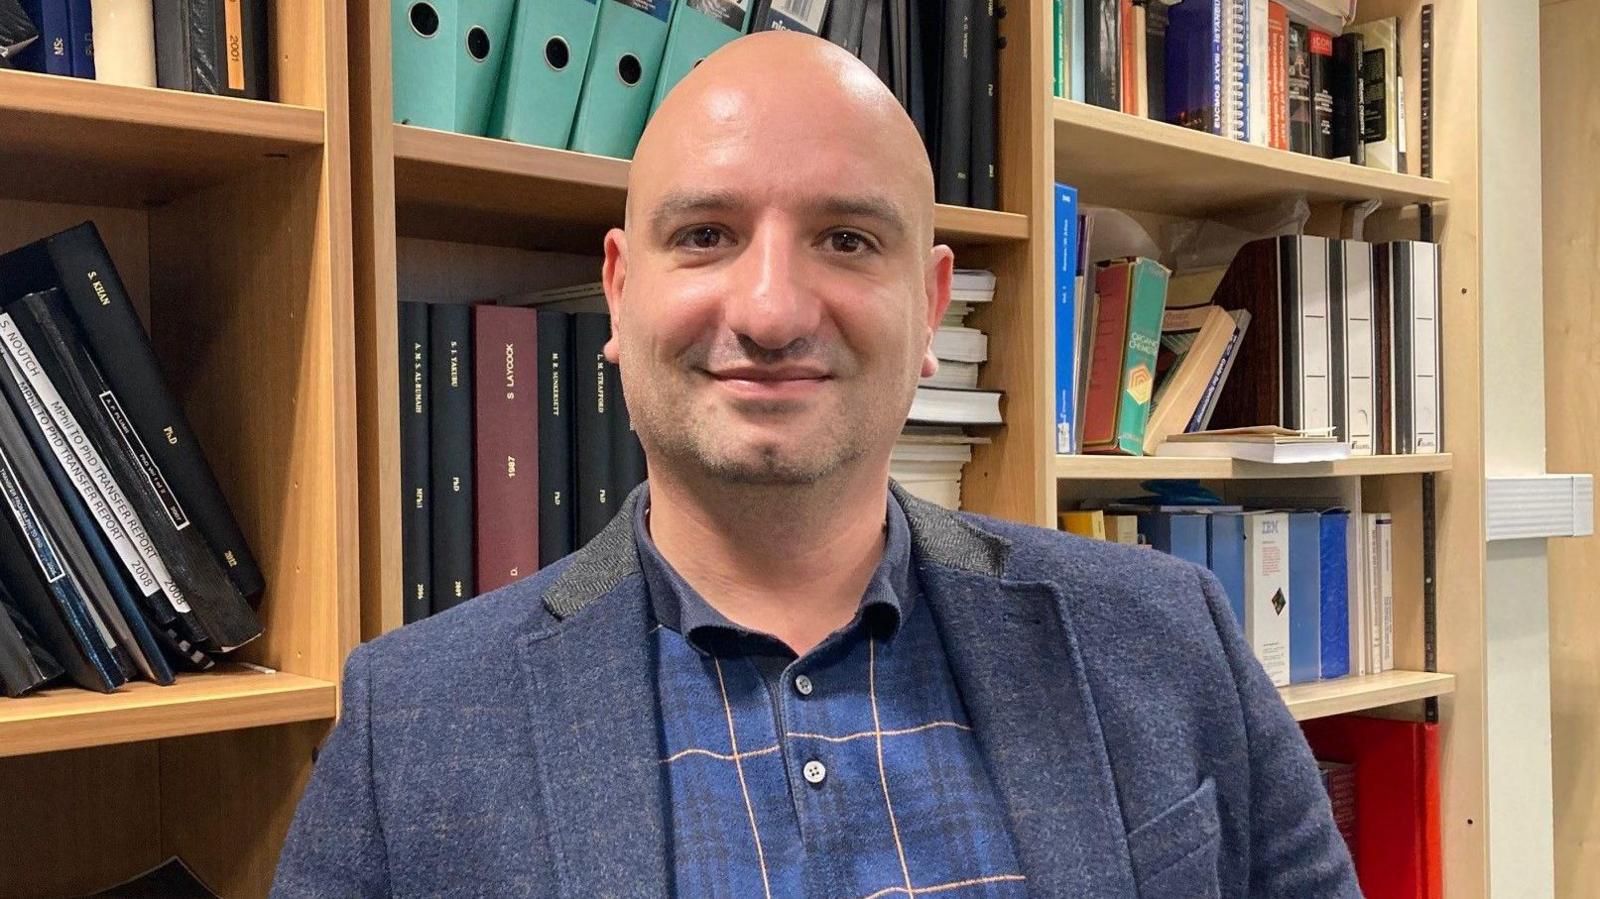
x=867, y=206
x=675, y=205
x=881, y=209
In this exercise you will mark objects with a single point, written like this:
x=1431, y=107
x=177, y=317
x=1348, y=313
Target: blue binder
x=1181, y=534
x=629, y=40
x=1225, y=557
x=485, y=29
x=1335, y=593
x=543, y=71
x=1305, y=597
x=422, y=57
x=51, y=52
x=693, y=35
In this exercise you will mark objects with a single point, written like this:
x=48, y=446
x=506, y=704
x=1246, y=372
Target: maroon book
x=505, y=382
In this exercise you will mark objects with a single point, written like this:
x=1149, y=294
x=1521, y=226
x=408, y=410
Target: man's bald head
x=794, y=89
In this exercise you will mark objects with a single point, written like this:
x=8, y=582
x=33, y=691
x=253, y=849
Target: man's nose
x=768, y=301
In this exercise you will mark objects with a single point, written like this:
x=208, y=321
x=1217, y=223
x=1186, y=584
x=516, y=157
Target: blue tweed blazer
x=508, y=747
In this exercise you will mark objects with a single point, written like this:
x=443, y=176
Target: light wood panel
x=111, y=145
x=1135, y=163
x=1084, y=467
x=1570, y=112
x=232, y=697
x=1356, y=694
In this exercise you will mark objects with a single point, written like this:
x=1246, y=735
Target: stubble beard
x=692, y=443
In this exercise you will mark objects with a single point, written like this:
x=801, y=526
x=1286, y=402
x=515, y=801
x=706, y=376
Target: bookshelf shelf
x=1353, y=694
x=114, y=145
x=234, y=697
x=1135, y=163
x=483, y=190
x=1148, y=467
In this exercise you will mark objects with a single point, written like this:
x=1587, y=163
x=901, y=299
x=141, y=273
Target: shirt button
x=815, y=772
x=803, y=684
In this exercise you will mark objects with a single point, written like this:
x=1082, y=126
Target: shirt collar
x=885, y=603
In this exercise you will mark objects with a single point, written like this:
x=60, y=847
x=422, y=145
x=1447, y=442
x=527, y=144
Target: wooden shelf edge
x=233, y=698
x=62, y=98
x=1353, y=694
x=1125, y=468
x=1322, y=175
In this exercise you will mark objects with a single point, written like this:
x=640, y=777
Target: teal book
x=629, y=40
x=485, y=32
x=423, y=61
x=542, y=75
x=698, y=28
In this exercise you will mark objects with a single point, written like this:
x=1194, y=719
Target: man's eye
x=706, y=238
x=848, y=242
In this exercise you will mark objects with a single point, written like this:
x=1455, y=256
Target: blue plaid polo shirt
x=849, y=772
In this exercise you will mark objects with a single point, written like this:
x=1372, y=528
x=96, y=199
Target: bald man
x=775, y=673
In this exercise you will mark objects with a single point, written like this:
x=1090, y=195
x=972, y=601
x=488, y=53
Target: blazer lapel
x=593, y=715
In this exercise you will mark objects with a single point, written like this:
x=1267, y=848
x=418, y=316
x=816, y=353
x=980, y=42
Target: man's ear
x=936, y=285
x=613, y=273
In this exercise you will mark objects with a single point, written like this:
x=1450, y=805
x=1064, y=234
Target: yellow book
x=1123, y=529
x=1085, y=524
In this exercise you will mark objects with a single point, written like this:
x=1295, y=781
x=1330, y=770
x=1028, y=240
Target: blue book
x=1225, y=557
x=1305, y=597
x=52, y=51
x=1194, y=65
x=1181, y=534
x=80, y=39
x=1066, y=315
x=1335, y=593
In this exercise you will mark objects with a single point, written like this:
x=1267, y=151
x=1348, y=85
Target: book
x=1283, y=283
x=416, y=488
x=1066, y=318
x=1397, y=826
x=1269, y=445
x=953, y=171
x=51, y=52
x=506, y=455
x=1193, y=342
x=1089, y=523
x=25, y=664
x=593, y=393
x=1406, y=274
x=124, y=42
x=1334, y=528
x=212, y=47
x=964, y=407
x=557, y=510
x=1302, y=117
x=1319, y=49
x=1277, y=75
x=222, y=617
x=1305, y=596
x=1348, y=99
x=1266, y=592
x=985, y=121
x=451, y=438
x=1130, y=301
x=1352, y=344
x=1181, y=534
x=1194, y=88
x=1225, y=557
x=1382, y=106
x=1102, y=53
x=77, y=261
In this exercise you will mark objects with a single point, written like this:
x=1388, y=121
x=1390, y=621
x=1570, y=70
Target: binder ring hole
x=556, y=53
x=629, y=69
x=424, y=19
x=478, y=43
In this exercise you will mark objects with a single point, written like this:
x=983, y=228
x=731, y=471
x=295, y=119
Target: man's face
x=774, y=294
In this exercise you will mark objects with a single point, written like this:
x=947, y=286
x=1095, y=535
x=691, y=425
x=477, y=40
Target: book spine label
x=1104, y=385
x=507, y=451
x=1277, y=76
x=450, y=442
x=416, y=507
x=597, y=498
x=1266, y=541
x=1066, y=232
x=557, y=518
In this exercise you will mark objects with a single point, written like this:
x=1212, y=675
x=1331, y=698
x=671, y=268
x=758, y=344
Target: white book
x=961, y=345
x=1306, y=349
x=1285, y=452
x=1266, y=591
x=974, y=282
x=1258, y=79
x=124, y=42
x=960, y=375
x=959, y=453
x=1356, y=573
x=933, y=405
x=1352, y=326
x=930, y=470
x=1421, y=312
x=1372, y=601
x=1386, y=592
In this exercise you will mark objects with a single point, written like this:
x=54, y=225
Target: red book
x=1110, y=343
x=506, y=407
x=1130, y=57
x=1277, y=76
x=1396, y=763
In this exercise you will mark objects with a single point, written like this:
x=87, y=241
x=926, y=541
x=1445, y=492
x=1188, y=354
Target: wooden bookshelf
x=233, y=698
x=1358, y=694
x=1133, y=163
x=1130, y=468
x=229, y=222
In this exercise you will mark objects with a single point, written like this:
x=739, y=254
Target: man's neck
x=792, y=562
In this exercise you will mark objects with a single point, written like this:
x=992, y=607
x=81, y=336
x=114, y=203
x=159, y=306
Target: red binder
x=1397, y=851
